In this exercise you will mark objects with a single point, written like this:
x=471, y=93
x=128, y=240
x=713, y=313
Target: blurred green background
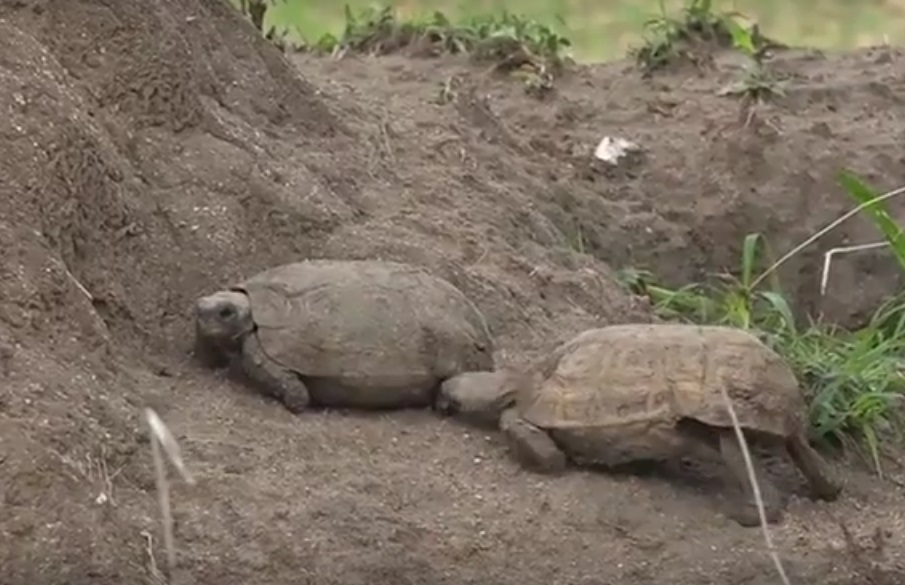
x=605, y=29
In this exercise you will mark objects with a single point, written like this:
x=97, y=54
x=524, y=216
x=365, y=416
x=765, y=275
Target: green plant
x=730, y=300
x=515, y=44
x=852, y=380
x=255, y=11
x=376, y=30
x=499, y=36
x=756, y=83
x=668, y=38
x=506, y=36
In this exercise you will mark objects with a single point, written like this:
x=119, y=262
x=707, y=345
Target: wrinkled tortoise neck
x=505, y=400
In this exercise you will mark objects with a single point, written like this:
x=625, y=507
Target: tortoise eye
x=227, y=312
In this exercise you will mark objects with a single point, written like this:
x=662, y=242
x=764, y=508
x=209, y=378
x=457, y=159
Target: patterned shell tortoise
x=628, y=393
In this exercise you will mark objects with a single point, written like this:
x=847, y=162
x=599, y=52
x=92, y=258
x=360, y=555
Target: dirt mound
x=154, y=151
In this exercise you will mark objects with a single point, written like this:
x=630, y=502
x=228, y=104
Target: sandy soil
x=153, y=151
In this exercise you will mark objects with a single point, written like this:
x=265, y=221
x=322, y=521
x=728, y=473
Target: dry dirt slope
x=154, y=150
x=704, y=181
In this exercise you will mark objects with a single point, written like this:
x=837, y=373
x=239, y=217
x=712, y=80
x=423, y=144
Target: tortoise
x=624, y=394
x=345, y=333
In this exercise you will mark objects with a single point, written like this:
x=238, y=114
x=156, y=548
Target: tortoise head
x=222, y=320
x=476, y=397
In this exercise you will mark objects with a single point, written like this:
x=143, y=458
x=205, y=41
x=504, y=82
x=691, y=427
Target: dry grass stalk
x=161, y=437
x=828, y=259
x=755, y=487
x=156, y=576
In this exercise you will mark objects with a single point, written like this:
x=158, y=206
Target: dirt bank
x=153, y=151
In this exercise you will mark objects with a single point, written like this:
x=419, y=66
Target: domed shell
x=379, y=324
x=651, y=375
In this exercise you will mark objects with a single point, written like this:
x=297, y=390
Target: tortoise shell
x=644, y=377
x=373, y=324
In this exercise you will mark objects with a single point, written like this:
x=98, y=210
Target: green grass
x=512, y=43
x=606, y=29
x=492, y=37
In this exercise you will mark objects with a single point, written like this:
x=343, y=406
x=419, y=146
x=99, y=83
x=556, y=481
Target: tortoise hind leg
x=823, y=486
x=272, y=378
x=745, y=512
x=530, y=445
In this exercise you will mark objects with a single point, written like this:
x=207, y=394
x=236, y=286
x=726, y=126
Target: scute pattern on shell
x=381, y=323
x=631, y=375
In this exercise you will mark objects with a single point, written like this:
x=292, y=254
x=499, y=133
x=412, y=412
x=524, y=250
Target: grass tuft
x=669, y=39
x=532, y=51
x=694, y=35
x=378, y=30
x=512, y=43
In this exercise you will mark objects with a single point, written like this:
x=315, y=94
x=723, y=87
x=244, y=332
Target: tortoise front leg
x=531, y=446
x=272, y=378
x=823, y=486
x=744, y=511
